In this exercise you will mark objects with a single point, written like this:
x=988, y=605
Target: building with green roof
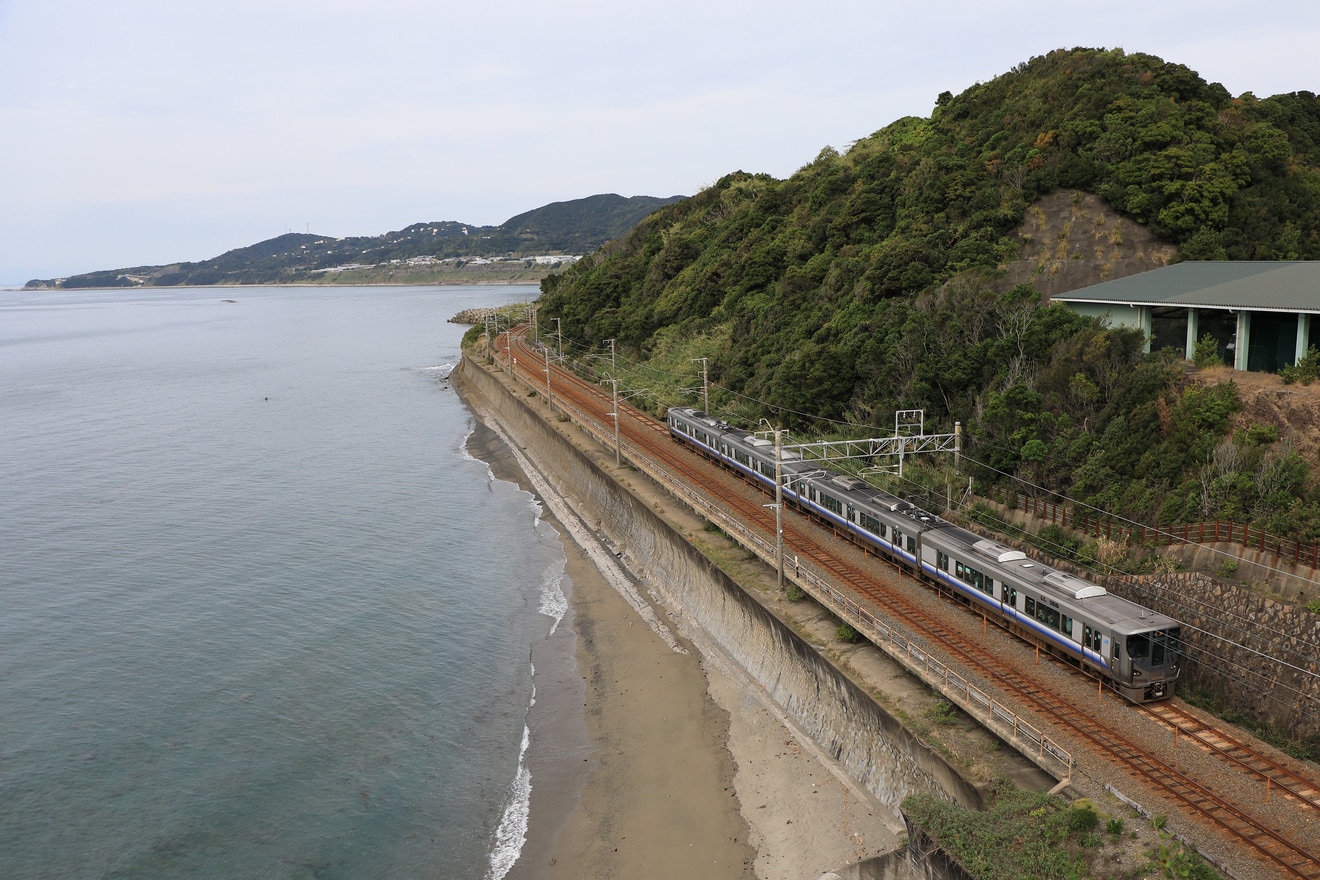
x=1263, y=315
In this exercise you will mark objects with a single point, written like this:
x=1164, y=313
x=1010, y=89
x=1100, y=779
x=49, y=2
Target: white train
x=1135, y=648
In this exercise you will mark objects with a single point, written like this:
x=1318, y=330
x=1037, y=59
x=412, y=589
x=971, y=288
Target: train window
x=911, y=544
x=1031, y=607
x=1008, y=595
x=1091, y=638
x=1138, y=646
x=942, y=560
x=898, y=539
x=1157, y=650
x=1067, y=625
x=1117, y=650
x=989, y=587
x=830, y=503
x=852, y=513
x=872, y=525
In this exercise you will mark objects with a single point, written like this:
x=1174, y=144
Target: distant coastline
x=522, y=250
x=374, y=276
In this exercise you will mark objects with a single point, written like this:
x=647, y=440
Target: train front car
x=1146, y=656
x=1137, y=650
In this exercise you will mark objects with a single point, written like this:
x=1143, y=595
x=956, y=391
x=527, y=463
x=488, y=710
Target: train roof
x=1023, y=571
x=1011, y=564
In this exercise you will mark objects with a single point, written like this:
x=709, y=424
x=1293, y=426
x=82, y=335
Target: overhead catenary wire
x=1131, y=522
x=1227, y=620
x=1232, y=622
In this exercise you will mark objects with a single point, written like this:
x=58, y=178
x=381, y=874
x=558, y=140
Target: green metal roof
x=1292, y=286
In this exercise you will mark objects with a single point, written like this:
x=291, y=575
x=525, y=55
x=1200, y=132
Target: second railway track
x=1289, y=853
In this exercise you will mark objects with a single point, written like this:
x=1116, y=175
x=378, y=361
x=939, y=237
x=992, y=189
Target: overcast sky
x=141, y=132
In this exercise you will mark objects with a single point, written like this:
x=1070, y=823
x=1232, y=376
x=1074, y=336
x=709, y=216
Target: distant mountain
x=423, y=251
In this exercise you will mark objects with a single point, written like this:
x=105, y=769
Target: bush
x=943, y=713
x=1305, y=371
x=1206, y=352
x=845, y=633
x=1083, y=818
x=1057, y=542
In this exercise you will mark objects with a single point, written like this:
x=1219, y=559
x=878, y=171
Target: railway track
x=1281, y=779
x=1288, y=855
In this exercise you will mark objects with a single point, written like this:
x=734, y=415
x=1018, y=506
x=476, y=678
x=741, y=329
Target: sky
x=144, y=132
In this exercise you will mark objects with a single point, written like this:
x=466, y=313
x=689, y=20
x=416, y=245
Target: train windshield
x=1166, y=647
x=1138, y=646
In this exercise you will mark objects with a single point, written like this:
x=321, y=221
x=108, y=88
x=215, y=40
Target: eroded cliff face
x=870, y=744
x=1071, y=239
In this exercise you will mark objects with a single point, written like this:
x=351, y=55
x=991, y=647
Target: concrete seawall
x=869, y=744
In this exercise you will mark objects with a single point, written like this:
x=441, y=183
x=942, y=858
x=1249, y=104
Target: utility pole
x=779, y=507
x=618, y=453
x=559, y=337
x=549, y=400
x=705, y=385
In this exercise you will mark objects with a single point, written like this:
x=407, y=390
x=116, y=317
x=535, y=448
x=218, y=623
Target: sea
x=261, y=614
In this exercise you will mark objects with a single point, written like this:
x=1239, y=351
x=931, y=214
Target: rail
x=890, y=638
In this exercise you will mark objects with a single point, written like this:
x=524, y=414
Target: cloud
x=158, y=117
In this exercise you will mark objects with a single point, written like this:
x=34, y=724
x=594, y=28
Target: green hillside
x=872, y=280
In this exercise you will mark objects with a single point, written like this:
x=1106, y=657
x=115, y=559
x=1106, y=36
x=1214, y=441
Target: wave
x=554, y=604
x=512, y=831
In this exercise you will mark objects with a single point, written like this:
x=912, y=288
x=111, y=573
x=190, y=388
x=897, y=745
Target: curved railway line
x=1288, y=852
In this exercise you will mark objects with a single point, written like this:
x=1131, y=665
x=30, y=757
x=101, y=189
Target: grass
x=1048, y=838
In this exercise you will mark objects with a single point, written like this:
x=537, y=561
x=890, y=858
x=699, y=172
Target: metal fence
x=1250, y=537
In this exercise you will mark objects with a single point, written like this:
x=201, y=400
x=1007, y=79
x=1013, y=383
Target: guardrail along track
x=866, y=599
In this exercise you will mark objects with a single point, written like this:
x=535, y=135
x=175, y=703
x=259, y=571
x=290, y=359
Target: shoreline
x=446, y=282
x=487, y=282
x=686, y=767
x=630, y=776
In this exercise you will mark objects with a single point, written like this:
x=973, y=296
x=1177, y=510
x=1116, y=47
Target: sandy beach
x=652, y=759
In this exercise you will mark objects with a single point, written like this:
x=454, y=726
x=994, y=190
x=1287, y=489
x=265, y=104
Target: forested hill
x=873, y=279
x=574, y=227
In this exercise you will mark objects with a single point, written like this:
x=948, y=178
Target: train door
x=1007, y=599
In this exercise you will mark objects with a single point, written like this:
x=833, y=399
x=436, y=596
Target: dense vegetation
x=869, y=282
x=574, y=227
x=1025, y=835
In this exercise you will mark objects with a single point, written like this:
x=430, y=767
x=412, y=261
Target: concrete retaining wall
x=869, y=743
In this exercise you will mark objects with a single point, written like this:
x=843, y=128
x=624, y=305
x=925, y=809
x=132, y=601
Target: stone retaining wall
x=1255, y=653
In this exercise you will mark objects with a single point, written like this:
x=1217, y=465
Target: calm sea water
x=260, y=614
